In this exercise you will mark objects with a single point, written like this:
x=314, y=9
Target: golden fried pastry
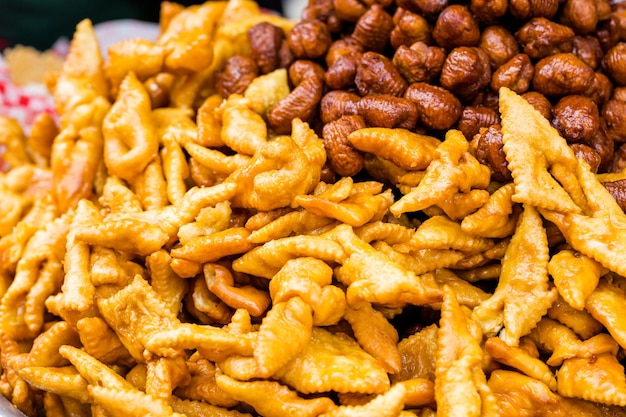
x=216, y=160
x=418, y=353
x=101, y=342
x=520, y=359
x=390, y=233
x=13, y=141
x=164, y=375
x=82, y=78
x=439, y=232
x=601, y=224
x=389, y=404
x=375, y=335
x=575, y=276
x=520, y=395
x=420, y=261
x=356, y=210
x=359, y=272
x=301, y=222
x=419, y=392
x=192, y=408
x=169, y=248
x=220, y=281
x=175, y=166
x=140, y=56
x=76, y=153
x=134, y=329
x=273, y=399
x=322, y=365
x=274, y=176
x=214, y=246
x=604, y=304
x=310, y=279
x=559, y=340
x=266, y=260
x=580, y=321
x=164, y=280
x=64, y=381
x=292, y=320
x=130, y=140
x=523, y=294
x=542, y=165
x=202, y=385
x=187, y=38
x=42, y=134
x=497, y=218
x=460, y=384
x=408, y=150
x=38, y=274
x=599, y=379
x=466, y=293
x=453, y=170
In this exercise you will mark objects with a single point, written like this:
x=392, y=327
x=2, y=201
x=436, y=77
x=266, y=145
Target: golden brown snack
x=184, y=257
x=275, y=175
x=601, y=379
x=603, y=304
x=359, y=272
x=310, y=279
x=140, y=56
x=454, y=170
x=320, y=367
x=503, y=311
x=376, y=335
x=266, y=260
x=82, y=78
x=356, y=209
x=403, y=147
x=299, y=221
x=534, y=185
x=460, y=384
x=187, y=38
x=497, y=218
x=220, y=281
x=518, y=358
x=388, y=404
x=559, y=340
x=439, y=232
x=575, y=276
x=593, y=222
x=130, y=140
x=276, y=400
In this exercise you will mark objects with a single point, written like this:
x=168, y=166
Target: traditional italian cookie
x=514, y=308
x=600, y=380
x=453, y=170
x=322, y=365
x=575, y=276
x=543, y=166
x=408, y=150
x=460, y=384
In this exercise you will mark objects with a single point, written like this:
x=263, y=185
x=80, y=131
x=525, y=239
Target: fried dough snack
x=503, y=311
x=453, y=172
x=167, y=250
x=460, y=384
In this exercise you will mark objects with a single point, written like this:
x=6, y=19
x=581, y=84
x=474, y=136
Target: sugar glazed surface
x=390, y=209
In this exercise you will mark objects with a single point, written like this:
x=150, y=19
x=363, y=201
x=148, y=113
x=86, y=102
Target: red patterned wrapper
x=23, y=103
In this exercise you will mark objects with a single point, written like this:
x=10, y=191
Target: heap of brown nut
x=429, y=66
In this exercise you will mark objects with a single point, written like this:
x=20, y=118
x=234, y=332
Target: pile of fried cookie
x=405, y=208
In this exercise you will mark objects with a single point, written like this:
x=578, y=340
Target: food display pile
x=391, y=209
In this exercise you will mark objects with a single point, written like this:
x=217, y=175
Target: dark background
x=39, y=23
